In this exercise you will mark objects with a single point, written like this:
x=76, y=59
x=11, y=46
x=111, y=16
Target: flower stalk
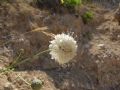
x=29, y=59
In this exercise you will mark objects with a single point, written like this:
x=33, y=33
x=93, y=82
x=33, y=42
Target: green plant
x=36, y=84
x=87, y=16
x=71, y=3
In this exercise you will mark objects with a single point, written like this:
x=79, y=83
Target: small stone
x=101, y=46
x=118, y=36
x=15, y=89
x=105, y=56
x=97, y=61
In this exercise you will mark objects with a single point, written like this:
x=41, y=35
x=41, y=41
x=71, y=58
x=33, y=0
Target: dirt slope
x=96, y=66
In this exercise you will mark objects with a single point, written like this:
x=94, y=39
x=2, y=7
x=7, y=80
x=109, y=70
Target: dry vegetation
x=96, y=66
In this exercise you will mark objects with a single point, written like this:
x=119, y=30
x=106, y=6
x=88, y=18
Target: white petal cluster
x=63, y=48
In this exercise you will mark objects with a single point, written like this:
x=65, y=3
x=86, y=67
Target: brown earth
x=96, y=66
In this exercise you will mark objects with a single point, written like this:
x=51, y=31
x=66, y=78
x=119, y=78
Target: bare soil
x=96, y=66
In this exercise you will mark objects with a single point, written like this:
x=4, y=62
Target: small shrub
x=71, y=3
x=36, y=84
x=58, y=5
x=87, y=16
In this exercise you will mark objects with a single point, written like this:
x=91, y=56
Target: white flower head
x=63, y=48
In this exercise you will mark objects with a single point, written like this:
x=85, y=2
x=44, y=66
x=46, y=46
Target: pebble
x=101, y=46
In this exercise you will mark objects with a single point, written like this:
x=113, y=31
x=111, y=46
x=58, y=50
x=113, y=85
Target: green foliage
x=87, y=16
x=36, y=84
x=72, y=3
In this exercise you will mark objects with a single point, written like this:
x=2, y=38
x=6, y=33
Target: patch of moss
x=87, y=16
x=71, y=3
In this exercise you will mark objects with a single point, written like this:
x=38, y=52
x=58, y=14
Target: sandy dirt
x=96, y=66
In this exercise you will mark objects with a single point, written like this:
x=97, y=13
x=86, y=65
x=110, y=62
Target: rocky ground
x=96, y=66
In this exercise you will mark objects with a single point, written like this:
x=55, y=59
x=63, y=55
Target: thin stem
x=6, y=70
x=37, y=29
x=24, y=80
x=17, y=59
x=28, y=59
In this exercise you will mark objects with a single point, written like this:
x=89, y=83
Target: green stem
x=24, y=80
x=16, y=60
x=28, y=59
x=10, y=68
x=6, y=70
